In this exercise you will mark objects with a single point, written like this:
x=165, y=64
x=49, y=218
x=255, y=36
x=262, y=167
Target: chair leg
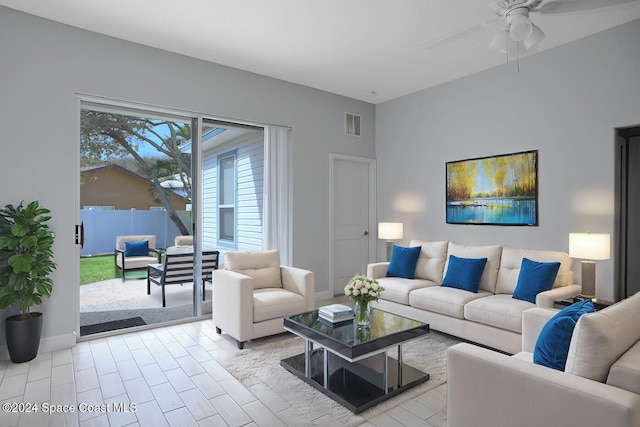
x=164, y=301
x=241, y=345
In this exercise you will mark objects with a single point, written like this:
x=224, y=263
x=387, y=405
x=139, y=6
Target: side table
x=597, y=304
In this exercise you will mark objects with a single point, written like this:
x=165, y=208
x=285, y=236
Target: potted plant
x=26, y=260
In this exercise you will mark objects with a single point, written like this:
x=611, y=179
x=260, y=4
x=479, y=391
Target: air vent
x=352, y=124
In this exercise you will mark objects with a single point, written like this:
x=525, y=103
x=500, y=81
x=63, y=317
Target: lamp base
x=389, y=249
x=588, y=279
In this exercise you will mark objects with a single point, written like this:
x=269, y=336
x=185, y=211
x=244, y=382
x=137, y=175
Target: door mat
x=111, y=326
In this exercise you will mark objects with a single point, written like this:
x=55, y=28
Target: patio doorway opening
x=161, y=175
x=135, y=200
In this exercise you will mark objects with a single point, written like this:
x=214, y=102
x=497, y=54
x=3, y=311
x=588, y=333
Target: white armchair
x=253, y=293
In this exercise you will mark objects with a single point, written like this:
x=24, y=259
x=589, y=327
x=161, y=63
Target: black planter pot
x=23, y=336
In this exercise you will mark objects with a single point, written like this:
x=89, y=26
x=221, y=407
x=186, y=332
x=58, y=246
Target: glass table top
x=385, y=330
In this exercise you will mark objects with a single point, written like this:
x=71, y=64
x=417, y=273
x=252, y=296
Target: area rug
x=111, y=325
x=259, y=363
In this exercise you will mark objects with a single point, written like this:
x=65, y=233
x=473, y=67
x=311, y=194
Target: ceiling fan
x=517, y=25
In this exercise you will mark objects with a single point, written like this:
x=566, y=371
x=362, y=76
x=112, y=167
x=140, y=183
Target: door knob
x=366, y=233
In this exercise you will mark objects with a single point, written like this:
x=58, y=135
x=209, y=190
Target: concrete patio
x=116, y=300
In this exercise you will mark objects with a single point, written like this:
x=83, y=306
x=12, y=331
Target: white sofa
x=490, y=317
x=600, y=385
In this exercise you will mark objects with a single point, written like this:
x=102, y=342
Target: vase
x=363, y=314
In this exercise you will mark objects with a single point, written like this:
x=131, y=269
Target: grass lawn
x=96, y=269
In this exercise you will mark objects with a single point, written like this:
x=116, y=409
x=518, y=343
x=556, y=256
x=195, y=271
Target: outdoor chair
x=135, y=252
x=183, y=241
x=177, y=269
x=254, y=293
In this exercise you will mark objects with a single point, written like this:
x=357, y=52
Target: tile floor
x=172, y=376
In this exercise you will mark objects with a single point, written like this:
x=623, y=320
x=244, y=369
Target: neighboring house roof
x=121, y=188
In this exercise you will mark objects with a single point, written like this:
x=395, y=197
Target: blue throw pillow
x=535, y=277
x=403, y=262
x=553, y=342
x=464, y=273
x=136, y=248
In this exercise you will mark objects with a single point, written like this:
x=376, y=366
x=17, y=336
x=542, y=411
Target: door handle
x=80, y=234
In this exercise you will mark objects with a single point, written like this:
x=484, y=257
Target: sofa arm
x=233, y=303
x=301, y=282
x=533, y=320
x=487, y=388
x=377, y=270
x=548, y=298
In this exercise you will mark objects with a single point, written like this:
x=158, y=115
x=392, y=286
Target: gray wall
x=564, y=102
x=45, y=64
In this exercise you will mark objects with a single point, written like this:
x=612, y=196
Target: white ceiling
x=372, y=50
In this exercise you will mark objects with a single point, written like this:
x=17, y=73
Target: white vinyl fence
x=102, y=226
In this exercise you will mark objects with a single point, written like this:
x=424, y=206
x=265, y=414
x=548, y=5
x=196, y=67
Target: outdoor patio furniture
x=254, y=293
x=132, y=253
x=177, y=269
x=183, y=241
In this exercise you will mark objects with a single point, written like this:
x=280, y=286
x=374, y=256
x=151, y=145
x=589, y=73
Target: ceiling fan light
x=500, y=41
x=521, y=28
x=536, y=36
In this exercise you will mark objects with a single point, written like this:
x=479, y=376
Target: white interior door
x=353, y=203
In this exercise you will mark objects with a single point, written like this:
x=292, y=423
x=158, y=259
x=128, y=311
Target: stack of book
x=335, y=313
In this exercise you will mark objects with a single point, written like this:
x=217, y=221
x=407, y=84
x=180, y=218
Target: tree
x=105, y=137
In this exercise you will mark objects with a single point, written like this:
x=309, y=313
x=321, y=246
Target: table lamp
x=390, y=231
x=589, y=247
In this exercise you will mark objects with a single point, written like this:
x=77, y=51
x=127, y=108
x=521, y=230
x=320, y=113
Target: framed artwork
x=496, y=190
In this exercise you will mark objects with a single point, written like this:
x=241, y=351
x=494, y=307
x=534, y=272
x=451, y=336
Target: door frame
x=371, y=163
x=621, y=217
x=116, y=105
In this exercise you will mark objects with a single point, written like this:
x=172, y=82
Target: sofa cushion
x=276, y=302
x=491, y=253
x=500, y=311
x=511, y=263
x=397, y=289
x=625, y=372
x=136, y=248
x=403, y=262
x=263, y=267
x=601, y=338
x=535, y=277
x=447, y=301
x=431, y=261
x=552, y=345
x=464, y=273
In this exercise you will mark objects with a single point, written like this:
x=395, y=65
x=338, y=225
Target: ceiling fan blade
x=574, y=6
x=459, y=34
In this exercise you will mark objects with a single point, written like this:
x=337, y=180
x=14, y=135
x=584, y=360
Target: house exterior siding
x=249, y=194
x=115, y=186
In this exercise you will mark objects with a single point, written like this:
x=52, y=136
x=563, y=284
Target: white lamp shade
x=500, y=41
x=521, y=27
x=390, y=230
x=590, y=246
x=536, y=36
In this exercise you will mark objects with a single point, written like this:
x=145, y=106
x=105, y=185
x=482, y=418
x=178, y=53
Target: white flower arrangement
x=363, y=289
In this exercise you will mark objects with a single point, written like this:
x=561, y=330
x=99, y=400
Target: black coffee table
x=350, y=365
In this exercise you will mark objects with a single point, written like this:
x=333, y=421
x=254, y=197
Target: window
x=227, y=198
